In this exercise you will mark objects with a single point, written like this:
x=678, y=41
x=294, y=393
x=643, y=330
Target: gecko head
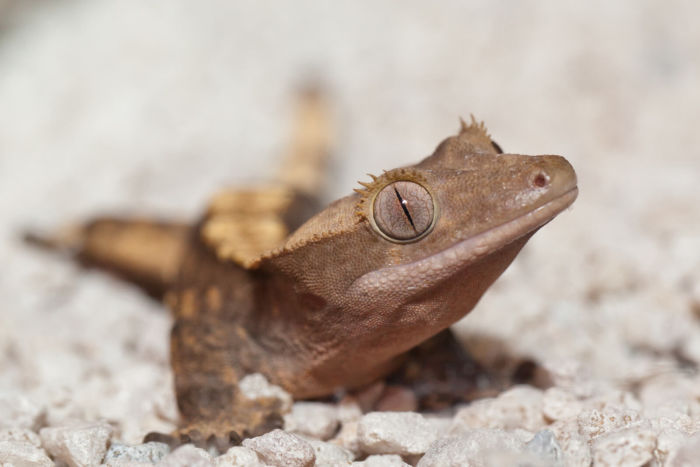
x=415, y=249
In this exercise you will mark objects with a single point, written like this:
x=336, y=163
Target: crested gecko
x=318, y=302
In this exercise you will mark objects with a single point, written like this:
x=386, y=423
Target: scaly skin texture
x=336, y=303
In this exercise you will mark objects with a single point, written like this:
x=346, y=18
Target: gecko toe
x=202, y=436
x=234, y=438
x=165, y=438
x=193, y=436
x=222, y=442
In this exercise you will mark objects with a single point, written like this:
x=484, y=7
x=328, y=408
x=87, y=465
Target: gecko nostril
x=540, y=180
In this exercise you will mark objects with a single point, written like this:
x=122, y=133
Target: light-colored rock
x=397, y=399
x=119, y=454
x=593, y=422
x=629, y=447
x=61, y=406
x=315, y=419
x=570, y=375
x=519, y=407
x=442, y=423
x=24, y=435
x=674, y=414
x=282, y=449
x=658, y=332
x=524, y=436
x=474, y=448
x=577, y=451
x=17, y=411
x=348, y=409
x=560, y=404
x=256, y=386
x=669, y=395
x=475, y=415
x=187, y=455
x=617, y=399
x=669, y=443
x=381, y=460
x=329, y=454
x=23, y=454
x=686, y=454
x=77, y=444
x=348, y=438
x=239, y=456
x=513, y=459
x=403, y=433
x=546, y=447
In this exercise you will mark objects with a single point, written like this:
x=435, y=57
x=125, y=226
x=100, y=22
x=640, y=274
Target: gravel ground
x=150, y=106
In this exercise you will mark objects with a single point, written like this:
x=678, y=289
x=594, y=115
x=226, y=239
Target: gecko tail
x=144, y=252
x=66, y=240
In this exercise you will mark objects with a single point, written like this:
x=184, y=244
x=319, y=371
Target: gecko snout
x=554, y=173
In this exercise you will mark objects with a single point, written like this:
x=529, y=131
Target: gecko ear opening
x=403, y=211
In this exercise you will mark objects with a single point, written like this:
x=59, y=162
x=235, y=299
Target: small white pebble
x=119, y=454
x=519, y=407
x=77, y=444
x=577, y=452
x=474, y=447
x=593, y=423
x=20, y=434
x=348, y=409
x=187, y=455
x=347, y=437
x=238, y=456
x=23, y=454
x=669, y=443
x=560, y=404
x=686, y=453
x=17, y=411
x=403, y=433
x=545, y=446
x=314, y=419
x=629, y=447
x=330, y=455
x=616, y=398
x=282, y=449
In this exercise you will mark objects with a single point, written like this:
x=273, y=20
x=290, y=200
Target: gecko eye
x=403, y=211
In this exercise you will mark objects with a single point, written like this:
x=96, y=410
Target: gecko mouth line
x=514, y=229
x=444, y=264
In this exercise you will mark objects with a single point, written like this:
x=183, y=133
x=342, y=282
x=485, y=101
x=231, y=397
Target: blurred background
x=149, y=107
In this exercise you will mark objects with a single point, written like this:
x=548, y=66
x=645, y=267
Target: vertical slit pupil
x=404, y=206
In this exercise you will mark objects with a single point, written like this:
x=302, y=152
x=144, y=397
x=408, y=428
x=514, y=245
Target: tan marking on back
x=253, y=201
x=213, y=298
x=242, y=225
x=170, y=299
x=241, y=332
x=187, y=304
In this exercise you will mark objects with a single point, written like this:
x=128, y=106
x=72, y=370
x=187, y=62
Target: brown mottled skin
x=338, y=301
